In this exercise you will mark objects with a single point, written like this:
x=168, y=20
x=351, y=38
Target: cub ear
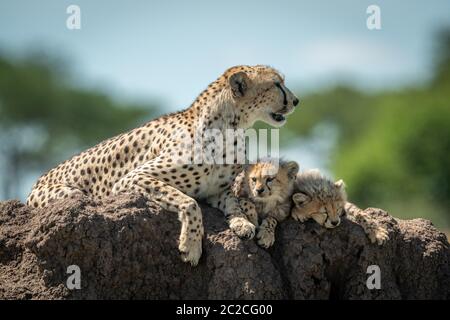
x=292, y=169
x=300, y=199
x=340, y=184
x=239, y=83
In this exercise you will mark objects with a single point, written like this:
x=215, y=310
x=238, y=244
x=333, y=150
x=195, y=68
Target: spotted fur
x=156, y=159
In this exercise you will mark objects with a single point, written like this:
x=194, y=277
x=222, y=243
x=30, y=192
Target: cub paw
x=265, y=238
x=379, y=235
x=300, y=217
x=191, y=251
x=375, y=233
x=242, y=228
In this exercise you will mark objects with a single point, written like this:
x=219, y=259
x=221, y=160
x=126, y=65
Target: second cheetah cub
x=264, y=190
x=319, y=198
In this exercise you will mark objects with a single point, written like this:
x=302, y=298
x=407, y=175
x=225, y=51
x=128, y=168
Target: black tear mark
x=240, y=89
x=284, y=93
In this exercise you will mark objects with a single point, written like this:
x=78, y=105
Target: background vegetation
x=392, y=148
x=44, y=119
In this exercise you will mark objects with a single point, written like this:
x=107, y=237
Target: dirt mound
x=126, y=248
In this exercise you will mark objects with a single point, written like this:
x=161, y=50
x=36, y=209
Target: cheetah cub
x=319, y=198
x=264, y=190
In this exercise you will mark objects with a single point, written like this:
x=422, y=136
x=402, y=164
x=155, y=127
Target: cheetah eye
x=270, y=179
x=254, y=179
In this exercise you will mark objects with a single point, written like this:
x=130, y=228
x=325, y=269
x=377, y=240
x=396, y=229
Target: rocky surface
x=126, y=248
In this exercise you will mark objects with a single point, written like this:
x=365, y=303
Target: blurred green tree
x=44, y=118
x=393, y=147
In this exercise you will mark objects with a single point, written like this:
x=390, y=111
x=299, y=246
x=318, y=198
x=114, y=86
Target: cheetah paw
x=265, y=238
x=191, y=251
x=242, y=228
x=379, y=235
x=376, y=234
x=300, y=218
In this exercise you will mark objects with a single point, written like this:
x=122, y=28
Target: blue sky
x=170, y=50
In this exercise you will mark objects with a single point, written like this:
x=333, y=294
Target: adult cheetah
x=156, y=160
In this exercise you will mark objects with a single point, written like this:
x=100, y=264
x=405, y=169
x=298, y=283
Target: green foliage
x=342, y=106
x=393, y=148
x=44, y=118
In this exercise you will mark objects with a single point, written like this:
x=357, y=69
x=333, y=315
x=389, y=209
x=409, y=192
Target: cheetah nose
x=260, y=190
x=335, y=223
x=295, y=102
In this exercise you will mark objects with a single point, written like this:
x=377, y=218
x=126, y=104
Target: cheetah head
x=271, y=179
x=319, y=199
x=259, y=94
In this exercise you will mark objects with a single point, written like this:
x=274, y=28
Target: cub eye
x=254, y=179
x=269, y=179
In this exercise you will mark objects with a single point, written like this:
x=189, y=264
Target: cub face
x=271, y=180
x=260, y=94
x=320, y=199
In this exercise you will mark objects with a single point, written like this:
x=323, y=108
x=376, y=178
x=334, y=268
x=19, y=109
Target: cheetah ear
x=292, y=169
x=300, y=199
x=340, y=184
x=239, y=83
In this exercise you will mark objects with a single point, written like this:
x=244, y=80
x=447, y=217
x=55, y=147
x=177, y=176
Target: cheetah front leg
x=171, y=199
x=374, y=231
x=266, y=232
x=249, y=210
x=237, y=220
